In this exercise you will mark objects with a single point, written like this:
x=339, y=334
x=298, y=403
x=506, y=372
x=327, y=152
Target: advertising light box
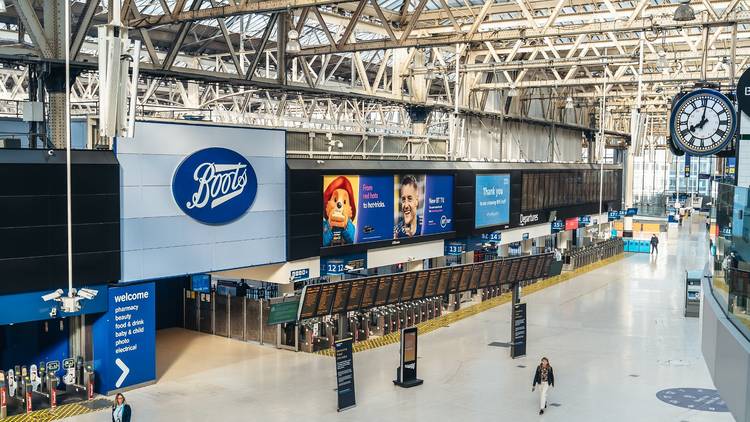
x=492, y=200
x=359, y=209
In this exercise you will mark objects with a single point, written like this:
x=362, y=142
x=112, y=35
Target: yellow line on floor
x=449, y=318
x=64, y=411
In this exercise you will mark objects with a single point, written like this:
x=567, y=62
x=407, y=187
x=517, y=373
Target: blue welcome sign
x=215, y=185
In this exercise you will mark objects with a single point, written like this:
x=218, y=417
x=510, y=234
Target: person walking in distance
x=654, y=244
x=545, y=378
x=120, y=409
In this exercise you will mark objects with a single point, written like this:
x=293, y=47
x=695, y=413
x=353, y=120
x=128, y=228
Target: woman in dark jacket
x=120, y=410
x=545, y=378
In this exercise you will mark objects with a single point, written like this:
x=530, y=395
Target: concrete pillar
x=627, y=175
x=54, y=29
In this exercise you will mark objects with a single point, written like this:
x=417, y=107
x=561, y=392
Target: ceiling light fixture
x=292, y=43
x=569, y=103
x=684, y=13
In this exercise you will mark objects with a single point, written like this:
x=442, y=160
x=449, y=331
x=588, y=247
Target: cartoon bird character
x=340, y=210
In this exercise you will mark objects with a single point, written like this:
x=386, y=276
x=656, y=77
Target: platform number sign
x=703, y=122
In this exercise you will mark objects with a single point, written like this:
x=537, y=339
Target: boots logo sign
x=215, y=185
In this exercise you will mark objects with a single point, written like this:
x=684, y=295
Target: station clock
x=702, y=122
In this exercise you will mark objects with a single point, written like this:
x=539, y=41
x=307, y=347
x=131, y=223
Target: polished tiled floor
x=615, y=337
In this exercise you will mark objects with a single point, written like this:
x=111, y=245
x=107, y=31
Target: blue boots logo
x=215, y=185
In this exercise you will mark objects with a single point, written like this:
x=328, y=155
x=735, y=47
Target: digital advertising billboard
x=492, y=200
x=359, y=209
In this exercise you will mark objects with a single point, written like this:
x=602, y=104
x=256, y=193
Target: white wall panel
x=159, y=240
x=398, y=254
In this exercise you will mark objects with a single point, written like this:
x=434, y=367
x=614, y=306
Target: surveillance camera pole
x=67, y=150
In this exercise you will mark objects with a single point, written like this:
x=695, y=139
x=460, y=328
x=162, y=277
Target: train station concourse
x=374, y=210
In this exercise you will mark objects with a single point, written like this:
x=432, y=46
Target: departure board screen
x=484, y=281
x=547, y=263
x=475, y=276
x=523, y=263
x=355, y=294
x=465, y=278
x=531, y=267
x=397, y=284
x=539, y=267
x=422, y=278
x=341, y=297
x=495, y=273
x=456, y=272
x=504, y=272
x=327, y=292
x=513, y=271
x=410, y=281
x=444, y=282
x=432, y=283
x=368, y=295
x=309, y=302
x=383, y=288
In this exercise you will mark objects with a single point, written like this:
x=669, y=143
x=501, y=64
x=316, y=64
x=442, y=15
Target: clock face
x=703, y=122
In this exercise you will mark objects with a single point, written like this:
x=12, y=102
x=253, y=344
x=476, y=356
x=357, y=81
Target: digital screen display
x=397, y=284
x=327, y=292
x=504, y=277
x=475, y=276
x=456, y=272
x=513, y=271
x=383, y=289
x=368, y=296
x=355, y=295
x=540, y=265
x=342, y=295
x=410, y=346
x=422, y=278
x=492, y=200
x=359, y=209
x=309, y=302
x=465, y=278
x=410, y=280
x=432, y=283
x=547, y=264
x=495, y=274
x=484, y=281
x=444, y=283
x=530, y=268
x=523, y=263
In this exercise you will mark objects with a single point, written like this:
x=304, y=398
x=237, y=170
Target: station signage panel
x=125, y=338
x=584, y=220
x=215, y=185
x=571, y=223
x=359, y=209
x=613, y=215
x=492, y=200
x=558, y=226
x=299, y=274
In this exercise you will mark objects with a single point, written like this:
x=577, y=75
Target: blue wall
x=25, y=307
x=33, y=342
x=17, y=128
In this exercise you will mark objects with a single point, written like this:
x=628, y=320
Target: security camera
x=339, y=144
x=87, y=293
x=51, y=152
x=53, y=296
x=348, y=267
x=53, y=312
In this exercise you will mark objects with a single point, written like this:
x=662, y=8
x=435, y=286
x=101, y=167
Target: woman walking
x=545, y=378
x=120, y=410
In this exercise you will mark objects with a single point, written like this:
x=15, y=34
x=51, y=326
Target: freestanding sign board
x=125, y=352
x=406, y=375
x=345, y=374
x=518, y=347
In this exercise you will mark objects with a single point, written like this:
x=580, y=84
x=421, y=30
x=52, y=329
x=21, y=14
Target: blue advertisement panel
x=360, y=209
x=125, y=338
x=492, y=200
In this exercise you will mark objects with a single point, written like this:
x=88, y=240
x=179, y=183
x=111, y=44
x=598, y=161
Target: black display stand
x=518, y=342
x=345, y=375
x=406, y=374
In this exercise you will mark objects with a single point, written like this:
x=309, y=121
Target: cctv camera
x=53, y=312
x=51, y=153
x=340, y=144
x=87, y=293
x=53, y=296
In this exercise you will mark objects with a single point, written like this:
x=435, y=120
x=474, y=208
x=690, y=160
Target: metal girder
x=518, y=34
x=31, y=22
x=179, y=39
x=264, y=41
x=241, y=8
x=84, y=23
x=352, y=23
